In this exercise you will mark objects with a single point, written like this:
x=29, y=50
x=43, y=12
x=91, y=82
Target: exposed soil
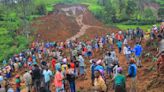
x=63, y=24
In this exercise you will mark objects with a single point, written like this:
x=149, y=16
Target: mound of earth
x=62, y=23
x=56, y=27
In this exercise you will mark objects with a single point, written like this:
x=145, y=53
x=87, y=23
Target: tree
x=110, y=11
x=24, y=9
x=161, y=13
x=130, y=8
x=102, y=2
x=149, y=14
x=41, y=9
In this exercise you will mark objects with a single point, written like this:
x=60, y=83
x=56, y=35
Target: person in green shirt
x=120, y=81
x=119, y=45
x=18, y=83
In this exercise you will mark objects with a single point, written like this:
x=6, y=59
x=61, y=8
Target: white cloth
x=126, y=50
x=115, y=71
x=125, y=41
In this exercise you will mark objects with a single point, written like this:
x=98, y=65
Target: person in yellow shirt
x=99, y=83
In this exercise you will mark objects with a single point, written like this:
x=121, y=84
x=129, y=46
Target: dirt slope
x=64, y=22
x=72, y=22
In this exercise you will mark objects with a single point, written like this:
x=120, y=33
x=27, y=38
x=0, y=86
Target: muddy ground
x=58, y=26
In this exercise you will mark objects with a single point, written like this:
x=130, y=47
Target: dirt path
x=79, y=20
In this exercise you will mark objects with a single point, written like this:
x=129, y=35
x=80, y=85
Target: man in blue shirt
x=132, y=73
x=138, y=51
x=47, y=78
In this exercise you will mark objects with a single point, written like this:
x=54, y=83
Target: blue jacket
x=132, y=70
x=138, y=50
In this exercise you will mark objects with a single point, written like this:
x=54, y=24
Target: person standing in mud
x=138, y=51
x=99, y=83
x=108, y=59
x=36, y=77
x=119, y=45
x=28, y=81
x=127, y=52
x=18, y=83
x=132, y=73
x=70, y=76
x=89, y=51
x=120, y=81
x=93, y=65
x=47, y=78
x=81, y=66
x=58, y=80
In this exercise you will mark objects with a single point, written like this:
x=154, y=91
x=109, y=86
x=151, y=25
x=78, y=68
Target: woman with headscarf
x=99, y=82
x=120, y=81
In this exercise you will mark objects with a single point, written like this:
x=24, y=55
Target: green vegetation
x=125, y=27
x=130, y=12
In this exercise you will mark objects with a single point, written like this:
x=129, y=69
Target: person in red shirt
x=72, y=64
x=119, y=36
x=84, y=52
x=53, y=62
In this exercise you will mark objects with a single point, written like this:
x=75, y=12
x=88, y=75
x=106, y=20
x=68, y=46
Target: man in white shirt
x=125, y=41
x=127, y=53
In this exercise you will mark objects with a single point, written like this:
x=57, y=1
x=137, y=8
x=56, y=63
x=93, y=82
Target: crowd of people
x=62, y=63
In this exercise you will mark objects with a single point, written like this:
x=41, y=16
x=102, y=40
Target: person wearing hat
x=120, y=81
x=18, y=83
x=160, y=63
x=132, y=73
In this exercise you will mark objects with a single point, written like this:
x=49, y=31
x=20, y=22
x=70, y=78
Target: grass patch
x=125, y=27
